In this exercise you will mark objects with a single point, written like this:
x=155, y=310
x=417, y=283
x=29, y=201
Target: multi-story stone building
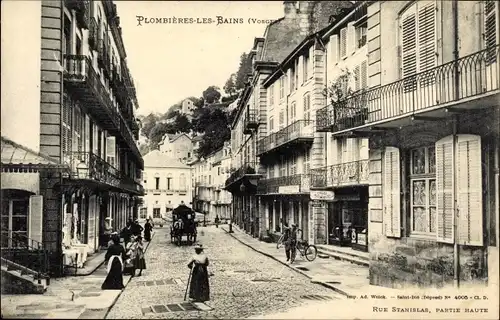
x=177, y=146
x=210, y=175
x=268, y=121
x=432, y=115
x=68, y=102
x=167, y=183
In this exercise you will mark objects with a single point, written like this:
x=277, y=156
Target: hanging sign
x=325, y=195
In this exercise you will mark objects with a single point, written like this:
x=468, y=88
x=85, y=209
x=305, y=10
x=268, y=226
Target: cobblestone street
x=275, y=287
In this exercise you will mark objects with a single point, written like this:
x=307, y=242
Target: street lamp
x=82, y=170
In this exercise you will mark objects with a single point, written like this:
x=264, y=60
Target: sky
x=172, y=61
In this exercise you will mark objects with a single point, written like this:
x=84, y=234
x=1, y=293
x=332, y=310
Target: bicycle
x=309, y=251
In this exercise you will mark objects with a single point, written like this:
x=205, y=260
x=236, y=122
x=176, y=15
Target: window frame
x=427, y=176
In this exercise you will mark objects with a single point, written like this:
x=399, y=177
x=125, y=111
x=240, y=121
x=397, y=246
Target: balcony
x=300, y=131
x=251, y=120
x=246, y=175
x=340, y=175
x=82, y=10
x=294, y=184
x=81, y=78
x=469, y=83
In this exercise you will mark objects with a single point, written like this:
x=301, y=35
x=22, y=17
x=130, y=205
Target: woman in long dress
x=114, y=257
x=131, y=253
x=199, y=288
x=140, y=262
x=148, y=227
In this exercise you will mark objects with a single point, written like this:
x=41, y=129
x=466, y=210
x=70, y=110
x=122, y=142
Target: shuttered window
x=418, y=41
x=468, y=181
x=35, y=228
x=307, y=107
x=271, y=95
x=271, y=171
x=469, y=186
x=392, y=193
x=271, y=123
x=293, y=165
x=66, y=128
x=281, y=119
x=357, y=78
x=282, y=87
x=282, y=167
x=307, y=165
x=343, y=42
x=305, y=68
x=490, y=29
x=364, y=75
x=293, y=112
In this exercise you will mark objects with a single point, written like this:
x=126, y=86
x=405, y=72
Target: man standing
x=286, y=240
x=293, y=242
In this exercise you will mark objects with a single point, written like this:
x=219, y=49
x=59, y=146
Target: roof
x=158, y=159
x=197, y=138
x=16, y=157
x=173, y=137
x=283, y=35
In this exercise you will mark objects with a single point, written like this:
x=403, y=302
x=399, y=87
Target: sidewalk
x=346, y=278
x=70, y=297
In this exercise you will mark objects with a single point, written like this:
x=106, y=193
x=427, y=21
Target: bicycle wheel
x=280, y=241
x=311, y=252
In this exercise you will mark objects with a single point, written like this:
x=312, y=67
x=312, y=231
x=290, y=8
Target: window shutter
x=469, y=183
x=111, y=149
x=357, y=78
x=490, y=29
x=351, y=38
x=444, y=190
x=427, y=37
x=409, y=45
x=334, y=49
x=392, y=192
x=364, y=75
x=87, y=133
x=343, y=42
x=36, y=218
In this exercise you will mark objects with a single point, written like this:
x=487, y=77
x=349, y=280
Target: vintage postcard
x=250, y=159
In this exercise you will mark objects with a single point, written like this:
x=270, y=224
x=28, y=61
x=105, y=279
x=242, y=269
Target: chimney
x=290, y=8
x=305, y=16
x=306, y=7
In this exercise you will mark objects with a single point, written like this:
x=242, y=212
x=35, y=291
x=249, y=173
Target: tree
x=214, y=124
x=182, y=123
x=144, y=149
x=158, y=132
x=148, y=123
x=211, y=94
x=230, y=86
x=244, y=69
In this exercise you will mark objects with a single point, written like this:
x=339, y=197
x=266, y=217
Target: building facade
x=187, y=108
x=432, y=115
x=167, y=183
x=177, y=146
x=210, y=175
x=78, y=99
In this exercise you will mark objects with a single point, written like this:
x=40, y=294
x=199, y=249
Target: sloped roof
x=160, y=159
x=16, y=157
x=283, y=35
x=198, y=138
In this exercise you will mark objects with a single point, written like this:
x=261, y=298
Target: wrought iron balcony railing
x=80, y=75
x=246, y=169
x=471, y=76
x=349, y=173
x=300, y=130
x=251, y=120
x=89, y=166
x=297, y=183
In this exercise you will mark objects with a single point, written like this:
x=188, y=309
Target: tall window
x=271, y=95
x=361, y=32
x=282, y=87
x=305, y=68
x=293, y=165
x=423, y=189
x=169, y=181
x=307, y=107
x=143, y=213
x=490, y=29
x=292, y=79
x=157, y=183
x=156, y=213
x=307, y=166
x=282, y=167
x=343, y=42
x=14, y=221
x=271, y=123
x=360, y=76
x=282, y=120
x=418, y=38
x=296, y=74
x=293, y=112
x=271, y=171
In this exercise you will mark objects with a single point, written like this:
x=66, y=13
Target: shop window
x=423, y=190
x=143, y=214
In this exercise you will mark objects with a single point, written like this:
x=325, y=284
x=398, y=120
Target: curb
x=125, y=284
x=326, y=285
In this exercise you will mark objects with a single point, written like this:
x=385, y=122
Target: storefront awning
x=18, y=158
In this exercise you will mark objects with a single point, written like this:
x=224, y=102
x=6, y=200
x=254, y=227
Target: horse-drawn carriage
x=183, y=224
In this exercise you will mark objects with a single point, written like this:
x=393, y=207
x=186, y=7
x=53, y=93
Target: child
x=140, y=262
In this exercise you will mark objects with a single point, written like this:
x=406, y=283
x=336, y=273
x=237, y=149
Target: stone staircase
x=344, y=254
x=22, y=280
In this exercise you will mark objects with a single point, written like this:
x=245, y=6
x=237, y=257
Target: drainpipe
x=456, y=248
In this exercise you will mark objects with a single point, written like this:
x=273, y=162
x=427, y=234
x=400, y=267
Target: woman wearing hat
x=199, y=288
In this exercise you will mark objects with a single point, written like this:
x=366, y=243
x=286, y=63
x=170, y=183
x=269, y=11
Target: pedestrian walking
x=217, y=221
x=293, y=241
x=199, y=287
x=114, y=258
x=136, y=228
x=131, y=253
x=148, y=227
x=286, y=240
x=126, y=232
x=140, y=262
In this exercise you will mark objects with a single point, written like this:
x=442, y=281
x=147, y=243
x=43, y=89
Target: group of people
x=130, y=257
